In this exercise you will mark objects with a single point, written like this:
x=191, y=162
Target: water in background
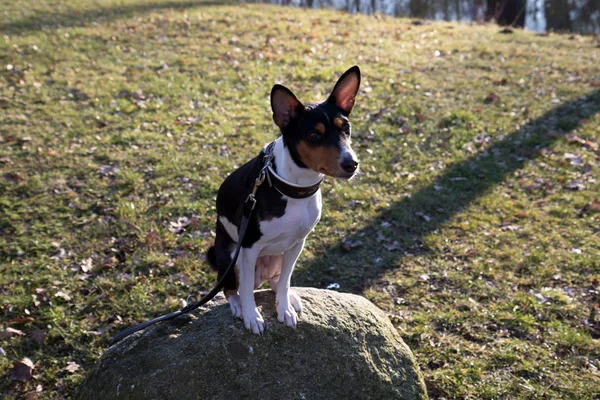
x=581, y=16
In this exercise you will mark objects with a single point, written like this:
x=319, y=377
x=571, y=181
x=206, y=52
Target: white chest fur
x=280, y=234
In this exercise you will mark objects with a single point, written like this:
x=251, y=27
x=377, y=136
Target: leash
x=249, y=205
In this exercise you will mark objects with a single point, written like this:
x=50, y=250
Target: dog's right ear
x=285, y=106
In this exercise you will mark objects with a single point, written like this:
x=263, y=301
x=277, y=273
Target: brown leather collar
x=284, y=187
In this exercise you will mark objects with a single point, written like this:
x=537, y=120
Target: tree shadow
x=412, y=218
x=77, y=18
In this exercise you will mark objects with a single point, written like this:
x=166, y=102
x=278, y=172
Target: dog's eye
x=314, y=136
x=346, y=127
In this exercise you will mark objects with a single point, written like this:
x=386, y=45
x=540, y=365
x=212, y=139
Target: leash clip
x=262, y=175
x=267, y=159
x=251, y=199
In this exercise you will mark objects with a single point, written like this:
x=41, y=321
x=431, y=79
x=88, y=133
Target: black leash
x=249, y=205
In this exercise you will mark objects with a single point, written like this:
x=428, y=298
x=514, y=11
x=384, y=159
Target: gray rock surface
x=343, y=348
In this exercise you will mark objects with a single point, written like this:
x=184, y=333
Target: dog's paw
x=295, y=301
x=235, y=305
x=253, y=321
x=286, y=314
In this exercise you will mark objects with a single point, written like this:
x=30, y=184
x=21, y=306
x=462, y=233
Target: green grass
x=471, y=224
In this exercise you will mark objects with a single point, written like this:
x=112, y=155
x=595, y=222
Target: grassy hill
x=474, y=223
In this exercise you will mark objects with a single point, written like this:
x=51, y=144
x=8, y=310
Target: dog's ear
x=285, y=106
x=344, y=91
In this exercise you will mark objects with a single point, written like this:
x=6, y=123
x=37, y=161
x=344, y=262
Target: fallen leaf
x=491, y=98
x=574, y=139
x=540, y=298
x=86, y=265
x=13, y=177
x=20, y=320
x=182, y=277
x=596, y=205
x=21, y=370
x=63, y=295
x=62, y=253
x=8, y=332
x=72, y=366
x=179, y=225
x=574, y=159
x=575, y=185
x=39, y=335
x=107, y=170
x=426, y=217
x=392, y=247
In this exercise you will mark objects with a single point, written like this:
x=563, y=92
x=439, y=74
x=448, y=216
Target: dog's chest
x=280, y=234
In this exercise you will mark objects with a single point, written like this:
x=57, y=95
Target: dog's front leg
x=253, y=321
x=288, y=302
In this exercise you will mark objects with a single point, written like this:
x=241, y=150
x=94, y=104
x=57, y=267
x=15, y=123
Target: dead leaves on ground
x=22, y=370
x=10, y=332
x=72, y=366
x=39, y=335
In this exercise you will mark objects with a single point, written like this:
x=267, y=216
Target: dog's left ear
x=344, y=91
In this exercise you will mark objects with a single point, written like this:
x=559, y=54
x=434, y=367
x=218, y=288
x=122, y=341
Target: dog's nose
x=349, y=165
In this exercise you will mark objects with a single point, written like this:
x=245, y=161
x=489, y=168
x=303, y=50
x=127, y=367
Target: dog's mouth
x=340, y=174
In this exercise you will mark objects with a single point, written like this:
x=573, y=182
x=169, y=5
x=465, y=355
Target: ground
x=475, y=222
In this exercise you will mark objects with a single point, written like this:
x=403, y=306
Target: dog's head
x=318, y=135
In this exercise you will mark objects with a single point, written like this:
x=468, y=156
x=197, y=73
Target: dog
x=314, y=142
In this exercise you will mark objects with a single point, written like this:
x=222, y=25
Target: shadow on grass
x=414, y=217
x=77, y=17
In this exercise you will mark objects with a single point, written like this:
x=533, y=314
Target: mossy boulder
x=343, y=348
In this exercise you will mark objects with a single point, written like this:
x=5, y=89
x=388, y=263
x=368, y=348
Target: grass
x=474, y=224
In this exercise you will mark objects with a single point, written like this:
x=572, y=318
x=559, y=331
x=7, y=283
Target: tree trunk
x=557, y=15
x=507, y=12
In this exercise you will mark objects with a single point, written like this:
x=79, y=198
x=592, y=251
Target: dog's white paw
x=235, y=305
x=295, y=301
x=287, y=314
x=253, y=321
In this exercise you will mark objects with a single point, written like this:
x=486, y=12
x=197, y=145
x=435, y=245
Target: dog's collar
x=283, y=186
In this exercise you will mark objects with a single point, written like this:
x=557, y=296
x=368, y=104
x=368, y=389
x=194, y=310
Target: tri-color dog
x=314, y=142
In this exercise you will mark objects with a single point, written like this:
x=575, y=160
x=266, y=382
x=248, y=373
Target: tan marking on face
x=321, y=159
x=339, y=122
x=320, y=128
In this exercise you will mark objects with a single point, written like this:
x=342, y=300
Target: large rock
x=343, y=348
